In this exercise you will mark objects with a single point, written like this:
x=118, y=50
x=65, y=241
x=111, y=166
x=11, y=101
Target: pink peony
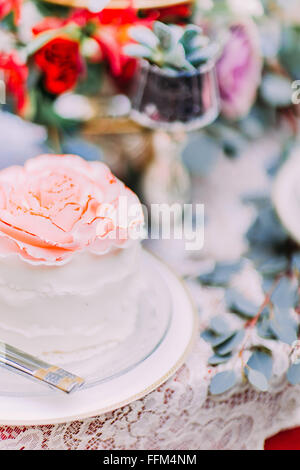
x=57, y=205
x=239, y=70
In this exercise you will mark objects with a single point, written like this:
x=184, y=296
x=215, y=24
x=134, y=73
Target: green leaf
x=231, y=139
x=190, y=32
x=176, y=57
x=293, y=374
x=137, y=50
x=285, y=294
x=267, y=230
x=276, y=90
x=290, y=50
x=273, y=266
x=237, y=303
x=222, y=382
x=258, y=380
x=263, y=328
x=228, y=346
x=144, y=36
x=200, y=56
x=219, y=325
x=216, y=340
x=195, y=154
x=221, y=274
x=164, y=34
x=262, y=362
x=283, y=326
x=215, y=360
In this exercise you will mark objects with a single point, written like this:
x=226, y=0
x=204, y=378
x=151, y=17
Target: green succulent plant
x=171, y=46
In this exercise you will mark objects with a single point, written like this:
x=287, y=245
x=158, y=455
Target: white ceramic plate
x=129, y=385
x=286, y=195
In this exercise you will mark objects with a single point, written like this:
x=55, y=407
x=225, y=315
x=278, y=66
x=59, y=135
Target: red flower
x=8, y=6
x=15, y=76
x=61, y=64
x=112, y=35
x=51, y=22
x=174, y=13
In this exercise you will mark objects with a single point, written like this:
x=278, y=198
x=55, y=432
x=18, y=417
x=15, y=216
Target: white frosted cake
x=69, y=256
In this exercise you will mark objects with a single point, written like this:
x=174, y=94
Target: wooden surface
x=109, y=126
x=139, y=4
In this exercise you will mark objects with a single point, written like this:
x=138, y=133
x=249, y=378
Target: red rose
x=61, y=63
x=174, y=13
x=15, y=75
x=111, y=33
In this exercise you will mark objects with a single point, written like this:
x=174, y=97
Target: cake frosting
x=69, y=262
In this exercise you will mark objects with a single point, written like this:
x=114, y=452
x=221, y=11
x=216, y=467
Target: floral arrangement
x=48, y=50
x=53, y=50
x=256, y=70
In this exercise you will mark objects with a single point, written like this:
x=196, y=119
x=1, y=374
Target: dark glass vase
x=169, y=100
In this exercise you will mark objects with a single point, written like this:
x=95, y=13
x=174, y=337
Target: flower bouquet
x=54, y=58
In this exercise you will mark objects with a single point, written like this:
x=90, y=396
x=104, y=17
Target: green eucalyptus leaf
x=290, y=50
x=219, y=325
x=273, y=266
x=195, y=154
x=267, y=230
x=263, y=328
x=258, y=380
x=222, y=382
x=261, y=361
x=221, y=274
x=293, y=374
x=208, y=335
x=233, y=142
x=216, y=340
x=237, y=303
x=216, y=360
x=285, y=294
x=276, y=90
x=228, y=346
x=283, y=326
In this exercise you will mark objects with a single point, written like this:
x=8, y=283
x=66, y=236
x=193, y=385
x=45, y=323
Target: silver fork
x=33, y=367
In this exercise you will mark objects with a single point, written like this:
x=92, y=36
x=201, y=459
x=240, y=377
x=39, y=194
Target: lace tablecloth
x=180, y=414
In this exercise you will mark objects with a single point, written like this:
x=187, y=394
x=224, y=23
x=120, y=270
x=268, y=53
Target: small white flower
x=205, y=4
x=6, y=40
x=30, y=16
x=246, y=8
x=73, y=106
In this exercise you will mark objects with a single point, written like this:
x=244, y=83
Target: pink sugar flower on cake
x=57, y=205
x=239, y=69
